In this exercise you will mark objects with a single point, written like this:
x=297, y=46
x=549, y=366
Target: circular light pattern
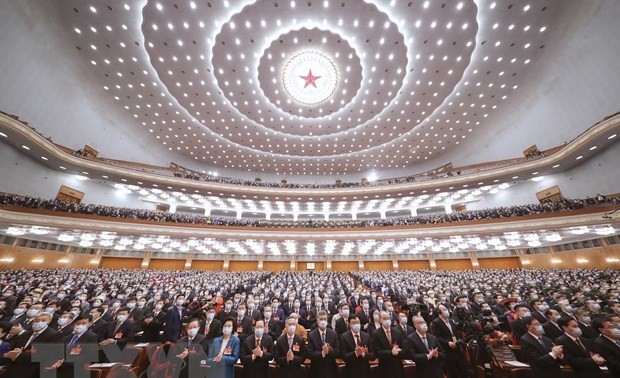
x=306, y=90
x=430, y=75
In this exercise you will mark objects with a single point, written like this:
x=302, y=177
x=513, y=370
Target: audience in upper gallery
x=409, y=315
x=158, y=216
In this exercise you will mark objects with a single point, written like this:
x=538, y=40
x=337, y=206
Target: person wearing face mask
x=364, y=312
x=65, y=326
x=224, y=352
x=32, y=312
x=75, y=344
x=226, y=312
x=193, y=347
x=517, y=326
x=607, y=345
x=19, y=358
x=551, y=328
x=354, y=348
x=256, y=352
x=135, y=313
x=540, y=352
x=424, y=349
x=211, y=327
x=447, y=334
x=584, y=321
x=97, y=324
x=374, y=323
x=120, y=331
x=341, y=323
x=242, y=327
x=538, y=310
x=388, y=345
x=290, y=351
x=272, y=327
x=566, y=310
x=579, y=352
x=153, y=323
x=323, y=349
x=174, y=319
x=402, y=326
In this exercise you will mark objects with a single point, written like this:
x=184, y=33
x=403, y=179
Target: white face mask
x=291, y=329
x=39, y=326
x=227, y=331
x=32, y=313
x=267, y=315
x=80, y=328
x=323, y=323
x=191, y=332
x=386, y=323
x=158, y=306
x=356, y=327
x=210, y=316
x=180, y=302
x=63, y=321
x=423, y=327
x=403, y=321
x=345, y=312
x=258, y=332
x=18, y=311
x=375, y=317
x=121, y=318
x=538, y=330
x=241, y=313
x=131, y=304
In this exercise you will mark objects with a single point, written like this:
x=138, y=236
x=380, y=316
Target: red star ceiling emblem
x=310, y=79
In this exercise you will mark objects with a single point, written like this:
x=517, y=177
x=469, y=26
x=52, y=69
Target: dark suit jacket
x=425, y=368
x=197, y=351
x=214, y=330
x=66, y=330
x=543, y=365
x=274, y=327
x=363, y=318
x=610, y=352
x=407, y=332
x=371, y=328
x=98, y=327
x=542, y=319
x=23, y=366
x=255, y=315
x=152, y=330
x=587, y=331
x=389, y=365
x=552, y=331
x=518, y=330
x=444, y=336
x=356, y=367
x=243, y=328
x=342, y=326
x=259, y=367
x=292, y=369
x=223, y=315
x=123, y=335
x=323, y=366
x=579, y=358
x=174, y=324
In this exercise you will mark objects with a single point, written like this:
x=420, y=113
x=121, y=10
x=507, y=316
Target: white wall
x=21, y=175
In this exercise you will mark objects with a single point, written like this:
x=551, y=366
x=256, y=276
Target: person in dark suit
x=364, y=314
x=388, y=346
x=153, y=323
x=135, y=313
x=256, y=352
x=355, y=350
x=323, y=349
x=174, y=319
x=226, y=312
x=65, y=326
x=19, y=314
x=120, y=331
x=253, y=313
x=5, y=328
x=290, y=351
x=517, y=326
x=242, y=326
x=446, y=332
x=403, y=327
x=342, y=323
x=583, y=320
x=97, y=324
x=194, y=347
x=538, y=311
x=551, y=328
x=607, y=345
x=374, y=322
x=20, y=357
x=539, y=351
x=75, y=345
x=309, y=315
x=577, y=351
x=277, y=312
x=211, y=327
x=272, y=326
x=425, y=350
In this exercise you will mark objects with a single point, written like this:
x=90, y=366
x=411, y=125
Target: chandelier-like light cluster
x=307, y=91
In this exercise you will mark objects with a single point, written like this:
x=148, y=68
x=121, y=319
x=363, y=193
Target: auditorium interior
x=418, y=156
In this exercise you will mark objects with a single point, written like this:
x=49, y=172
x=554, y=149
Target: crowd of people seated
x=62, y=320
x=159, y=216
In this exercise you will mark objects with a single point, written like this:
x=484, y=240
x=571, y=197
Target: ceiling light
x=539, y=178
x=555, y=166
x=93, y=9
x=612, y=136
x=593, y=148
x=579, y=157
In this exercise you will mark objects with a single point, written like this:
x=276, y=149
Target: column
x=394, y=263
x=326, y=216
x=523, y=260
x=448, y=208
x=268, y=216
x=295, y=217
x=239, y=214
x=226, y=264
x=354, y=216
x=96, y=261
x=261, y=260
x=414, y=211
x=611, y=259
x=188, y=261
x=292, y=266
x=474, y=260
x=431, y=260
x=382, y=212
x=146, y=259
x=328, y=263
x=360, y=264
x=207, y=212
x=173, y=208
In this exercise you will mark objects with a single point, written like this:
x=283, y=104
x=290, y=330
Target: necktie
x=189, y=342
x=389, y=337
x=73, y=339
x=425, y=342
x=580, y=343
x=357, y=340
x=118, y=325
x=540, y=339
x=323, y=337
x=30, y=340
x=290, y=342
x=257, y=343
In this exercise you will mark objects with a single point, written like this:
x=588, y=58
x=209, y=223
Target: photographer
x=448, y=335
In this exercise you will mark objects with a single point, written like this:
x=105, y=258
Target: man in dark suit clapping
x=543, y=356
x=256, y=352
x=578, y=351
x=354, y=347
x=425, y=351
x=323, y=349
x=388, y=346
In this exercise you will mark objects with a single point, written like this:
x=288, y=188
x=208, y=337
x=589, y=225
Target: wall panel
x=167, y=264
x=500, y=263
x=120, y=263
x=276, y=266
x=207, y=264
x=345, y=266
x=456, y=264
x=23, y=259
x=378, y=265
x=413, y=264
x=318, y=265
x=242, y=266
